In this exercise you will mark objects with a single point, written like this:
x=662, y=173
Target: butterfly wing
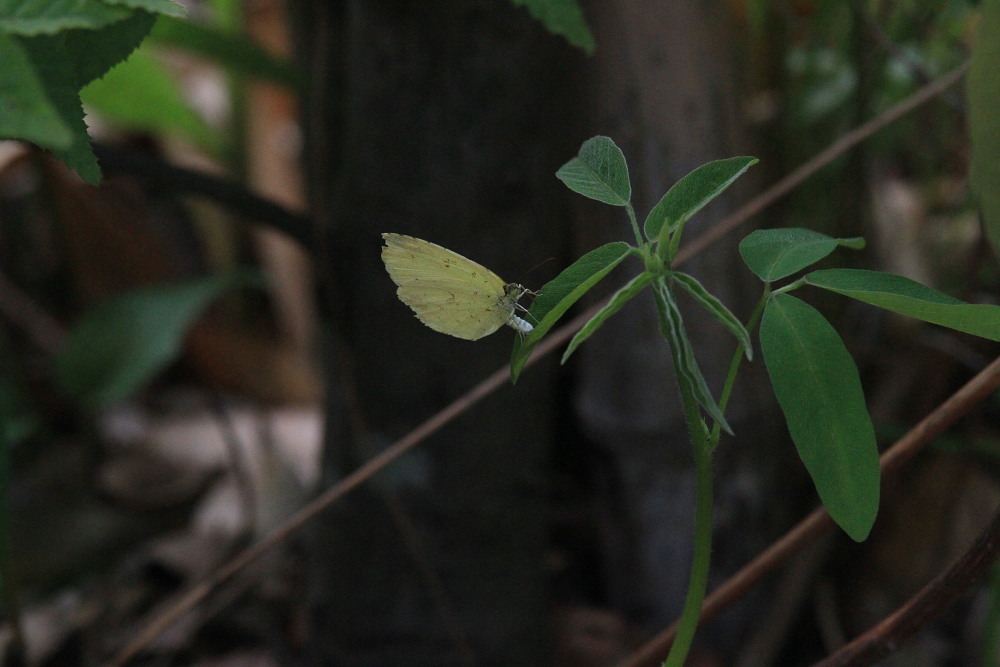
x=449, y=293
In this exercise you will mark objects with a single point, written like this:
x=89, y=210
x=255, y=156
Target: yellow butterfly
x=450, y=293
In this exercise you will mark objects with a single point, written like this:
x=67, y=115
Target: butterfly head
x=513, y=292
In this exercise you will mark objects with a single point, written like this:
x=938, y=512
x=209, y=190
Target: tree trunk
x=446, y=121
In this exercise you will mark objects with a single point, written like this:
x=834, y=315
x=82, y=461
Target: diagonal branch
x=841, y=145
x=227, y=192
x=929, y=603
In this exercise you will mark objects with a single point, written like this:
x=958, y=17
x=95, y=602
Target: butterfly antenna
x=542, y=263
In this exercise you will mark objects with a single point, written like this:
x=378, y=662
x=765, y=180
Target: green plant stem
x=703, y=443
x=675, y=243
x=789, y=287
x=701, y=558
x=635, y=224
x=734, y=368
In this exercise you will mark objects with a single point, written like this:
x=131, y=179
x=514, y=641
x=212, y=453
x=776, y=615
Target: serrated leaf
x=983, y=96
x=163, y=7
x=564, y=18
x=685, y=363
x=140, y=94
x=25, y=109
x=599, y=171
x=50, y=57
x=65, y=62
x=615, y=303
x=818, y=388
x=774, y=254
x=48, y=17
x=717, y=309
x=94, y=52
x=29, y=18
x=121, y=344
x=690, y=194
x=908, y=297
x=560, y=293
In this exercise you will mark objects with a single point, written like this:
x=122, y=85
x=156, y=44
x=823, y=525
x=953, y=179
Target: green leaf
x=121, y=344
x=773, y=254
x=50, y=58
x=557, y=295
x=25, y=109
x=983, y=95
x=140, y=94
x=685, y=363
x=67, y=44
x=562, y=17
x=65, y=62
x=162, y=7
x=820, y=393
x=690, y=194
x=615, y=303
x=48, y=17
x=717, y=309
x=94, y=52
x=233, y=52
x=599, y=171
x=908, y=297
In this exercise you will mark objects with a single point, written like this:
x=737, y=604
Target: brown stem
x=928, y=604
x=837, y=148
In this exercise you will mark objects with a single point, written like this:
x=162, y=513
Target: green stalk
x=703, y=445
x=787, y=288
x=734, y=368
x=701, y=558
x=675, y=243
x=635, y=224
